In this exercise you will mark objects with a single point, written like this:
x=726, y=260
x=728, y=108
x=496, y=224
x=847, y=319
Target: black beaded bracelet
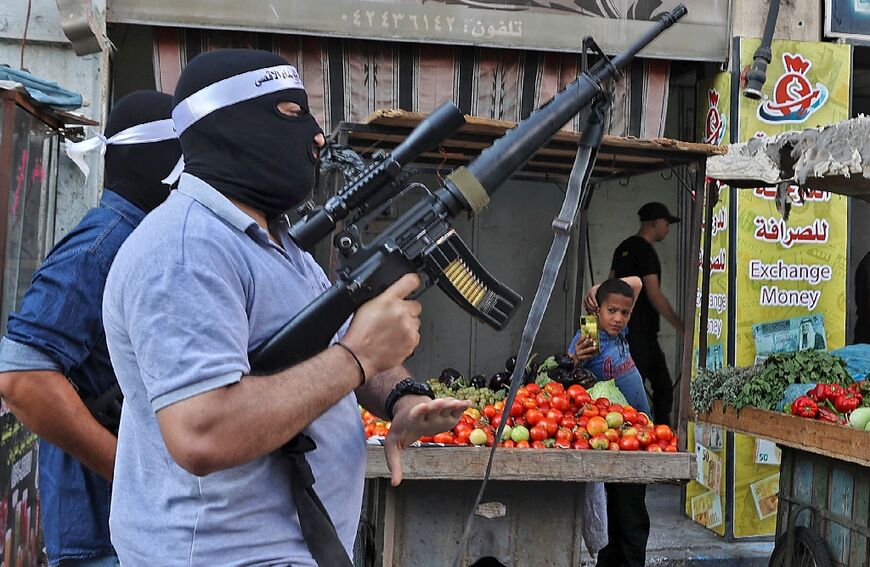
x=355, y=359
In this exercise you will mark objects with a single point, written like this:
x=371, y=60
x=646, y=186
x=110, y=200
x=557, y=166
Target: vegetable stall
x=814, y=405
x=542, y=486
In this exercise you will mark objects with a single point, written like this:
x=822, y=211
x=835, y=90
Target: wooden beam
x=831, y=440
x=566, y=465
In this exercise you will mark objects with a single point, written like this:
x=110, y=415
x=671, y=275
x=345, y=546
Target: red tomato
x=602, y=402
x=630, y=414
x=582, y=421
x=489, y=411
x=517, y=409
x=629, y=444
x=554, y=388
x=446, y=438
x=559, y=402
x=522, y=392
x=654, y=449
x=549, y=426
x=612, y=435
x=646, y=437
x=564, y=436
x=568, y=422
x=555, y=415
x=516, y=421
x=664, y=433
x=522, y=444
x=575, y=390
x=533, y=416
x=538, y=445
x=542, y=399
x=615, y=407
x=530, y=403
x=581, y=443
x=496, y=421
x=490, y=438
x=427, y=439
x=602, y=411
x=670, y=449
x=590, y=411
x=462, y=427
x=462, y=438
x=533, y=388
x=509, y=444
x=538, y=433
x=642, y=419
x=583, y=398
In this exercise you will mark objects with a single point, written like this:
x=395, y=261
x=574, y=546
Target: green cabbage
x=607, y=389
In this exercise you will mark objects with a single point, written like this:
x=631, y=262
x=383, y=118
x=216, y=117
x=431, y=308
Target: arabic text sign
x=555, y=25
x=791, y=275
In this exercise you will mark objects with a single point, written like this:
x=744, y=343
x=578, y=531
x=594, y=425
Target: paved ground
x=676, y=541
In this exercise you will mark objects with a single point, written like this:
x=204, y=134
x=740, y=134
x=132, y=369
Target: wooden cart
x=824, y=484
x=530, y=514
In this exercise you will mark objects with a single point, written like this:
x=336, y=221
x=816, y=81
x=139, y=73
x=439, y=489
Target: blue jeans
x=108, y=561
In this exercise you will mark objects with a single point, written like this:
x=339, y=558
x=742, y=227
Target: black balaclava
x=249, y=151
x=135, y=171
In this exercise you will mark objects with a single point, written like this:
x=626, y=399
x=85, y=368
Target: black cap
x=653, y=211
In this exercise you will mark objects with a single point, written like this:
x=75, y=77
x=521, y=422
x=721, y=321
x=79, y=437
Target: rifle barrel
x=509, y=153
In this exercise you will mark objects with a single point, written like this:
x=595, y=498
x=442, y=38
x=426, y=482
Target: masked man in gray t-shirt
x=203, y=281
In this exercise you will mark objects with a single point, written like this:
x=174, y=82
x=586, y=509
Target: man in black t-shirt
x=637, y=257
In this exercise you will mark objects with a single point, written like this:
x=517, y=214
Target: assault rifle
x=423, y=240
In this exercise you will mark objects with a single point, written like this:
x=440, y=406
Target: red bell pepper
x=804, y=407
x=824, y=392
x=829, y=416
x=847, y=403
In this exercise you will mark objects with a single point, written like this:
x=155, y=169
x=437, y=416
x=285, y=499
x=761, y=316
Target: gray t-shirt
x=194, y=289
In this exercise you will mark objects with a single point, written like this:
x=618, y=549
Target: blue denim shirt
x=59, y=327
x=614, y=362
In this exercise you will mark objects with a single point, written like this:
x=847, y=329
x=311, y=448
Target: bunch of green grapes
x=479, y=397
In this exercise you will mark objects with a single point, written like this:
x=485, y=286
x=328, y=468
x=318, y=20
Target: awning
x=619, y=156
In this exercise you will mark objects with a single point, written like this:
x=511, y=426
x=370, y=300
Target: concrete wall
x=613, y=218
x=49, y=55
x=798, y=19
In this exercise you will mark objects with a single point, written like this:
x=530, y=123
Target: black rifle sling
x=106, y=407
x=318, y=531
x=576, y=197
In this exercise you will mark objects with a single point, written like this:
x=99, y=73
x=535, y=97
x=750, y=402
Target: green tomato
x=519, y=433
x=506, y=433
x=477, y=437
